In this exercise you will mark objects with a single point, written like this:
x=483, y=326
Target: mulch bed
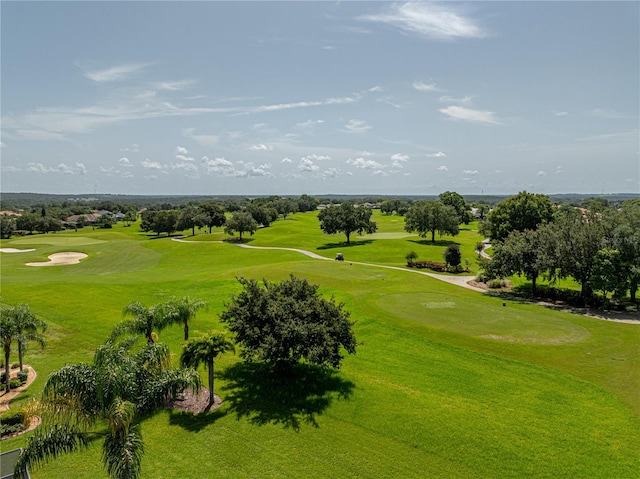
x=195, y=403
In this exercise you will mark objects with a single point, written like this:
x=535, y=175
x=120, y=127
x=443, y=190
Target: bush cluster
x=432, y=265
x=12, y=421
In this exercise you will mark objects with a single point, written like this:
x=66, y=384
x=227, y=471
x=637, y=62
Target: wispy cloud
x=472, y=116
x=561, y=113
x=609, y=114
x=470, y=172
x=541, y=173
x=116, y=73
x=151, y=165
x=443, y=168
x=433, y=21
x=358, y=126
x=399, y=157
x=426, y=87
x=261, y=147
x=172, y=85
x=306, y=164
x=79, y=169
x=439, y=154
x=466, y=100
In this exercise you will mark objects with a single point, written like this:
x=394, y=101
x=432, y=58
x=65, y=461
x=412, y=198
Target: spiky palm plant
x=204, y=350
x=29, y=328
x=119, y=387
x=182, y=311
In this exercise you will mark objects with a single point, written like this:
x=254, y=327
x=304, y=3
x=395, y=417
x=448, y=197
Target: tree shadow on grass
x=428, y=242
x=237, y=240
x=195, y=422
x=344, y=244
x=291, y=397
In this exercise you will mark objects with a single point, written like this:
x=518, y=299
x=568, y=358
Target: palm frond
x=167, y=386
x=122, y=455
x=50, y=442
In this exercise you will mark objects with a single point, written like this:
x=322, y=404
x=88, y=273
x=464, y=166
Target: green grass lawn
x=447, y=382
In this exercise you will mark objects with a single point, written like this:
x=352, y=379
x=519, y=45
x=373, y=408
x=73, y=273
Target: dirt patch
x=195, y=403
x=15, y=250
x=59, y=259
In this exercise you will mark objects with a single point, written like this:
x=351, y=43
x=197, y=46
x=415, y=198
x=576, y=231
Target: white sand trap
x=15, y=250
x=59, y=259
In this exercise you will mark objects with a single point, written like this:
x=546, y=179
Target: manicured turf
x=446, y=382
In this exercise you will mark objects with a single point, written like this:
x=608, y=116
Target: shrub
x=496, y=283
x=432, y=265
x=3, y=377
x=411, y=256
x=15, y=365
x=6, y=430
x=452, y=255
x=15, y=383
x=11, y=417
x=22, y=376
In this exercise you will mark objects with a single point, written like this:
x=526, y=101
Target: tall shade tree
x=145, y=321
x=214, y=215
x=8, y=334
x=426, y=217
x=524, y=211
x=347, y=218
x=29, y=328
x=283, y=323
x=242, y=222
x=451, y=198
x=204, y=350
x=626, y=239
x=182, y=311
x=119, y=388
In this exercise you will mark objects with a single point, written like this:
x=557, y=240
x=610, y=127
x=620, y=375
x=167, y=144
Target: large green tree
x=145, y=321
x=524, y=211
x=451, y=198
x=286, y=322
x=346, y=218
x=625, y=238
x=204, y=350
x=242, y=222
x=426, y=217
x=118, y=388
x=214, y=214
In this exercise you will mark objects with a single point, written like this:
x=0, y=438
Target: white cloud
x=261, y=147
x=399, y=157
x=307, y=164
x=541, y=173
x=443, y=168
x=328, y=47
x=181, y=150
x=184, y=166
x=184, y=158
x=380, y=173
x=308, y=124
x=315, y=157
x=375, y=88
x=561, y=113
x=559, y=169
x=358, y=126
x=439, y=154
x=204, y=140
x=2, y=145
x=125, y=162
x=364, y=153
x=609, y=114
x=9, y=169
x=151, y=165
x=364, y=164
x=63, y=168
x=82, y=169
x=434, y=21
x=117, y=73
x=467, y=100
x=286, y=160
x=173, y=85
x=38, y=135
x=470, y=172
x=472, y=116
x=330, y=173
x=420, y=86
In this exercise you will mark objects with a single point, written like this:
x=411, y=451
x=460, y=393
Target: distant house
x=89, y=218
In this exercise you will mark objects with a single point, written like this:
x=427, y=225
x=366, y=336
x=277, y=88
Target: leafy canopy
x=283, y=323
x=347, y=218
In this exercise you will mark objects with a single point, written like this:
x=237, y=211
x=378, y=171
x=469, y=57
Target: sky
x=290, y=98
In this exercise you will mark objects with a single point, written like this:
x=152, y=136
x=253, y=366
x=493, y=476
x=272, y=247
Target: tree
x=524, y=211
x=346, y=218
x=523, y=253
x=214, y=215
x=27, y=222
x=204, y=350
x=574, y=241
x=285, y=206
x=190, y=217
x=399, y=206
x=28, y=327
x=7, y=226
x=144, y=322
x=479, y=248
x=626, y=239
x=165, y=221
x=283, y=323
x=430, y=216
x=451, y=198
x=452, y=255
x=182, y=311
x=242, y=222
x=307, y=203
x=8, y=334
x=119, y=387
x=608, y=273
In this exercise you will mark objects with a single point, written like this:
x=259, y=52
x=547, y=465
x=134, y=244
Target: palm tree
x=119, y=387
x=28, y=327
x=144, y=321
x=8, y=334
x=205, y=349
x=182, y=311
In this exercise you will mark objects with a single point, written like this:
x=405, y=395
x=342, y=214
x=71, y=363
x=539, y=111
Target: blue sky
x=377, y=98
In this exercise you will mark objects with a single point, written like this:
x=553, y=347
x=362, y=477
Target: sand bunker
x=15, y=250
x=58, y=259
